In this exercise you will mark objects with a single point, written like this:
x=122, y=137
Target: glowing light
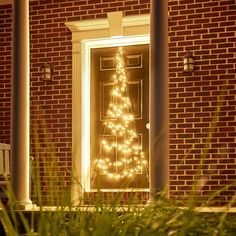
x=121, y=124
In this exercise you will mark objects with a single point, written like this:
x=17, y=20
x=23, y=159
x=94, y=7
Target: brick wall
x=202, y=104
x=5, y=72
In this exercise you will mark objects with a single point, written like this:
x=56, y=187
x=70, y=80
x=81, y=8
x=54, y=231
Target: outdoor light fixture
x=47, y=71
x=188, y=62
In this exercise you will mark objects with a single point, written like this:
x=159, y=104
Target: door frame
x=87, y=34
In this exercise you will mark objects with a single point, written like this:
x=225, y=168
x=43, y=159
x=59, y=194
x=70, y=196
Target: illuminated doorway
x=119, y=118
x=90, y=142
x=88, y=34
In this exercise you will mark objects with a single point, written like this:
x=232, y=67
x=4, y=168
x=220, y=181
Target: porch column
x=159, y=108
x=20, y=103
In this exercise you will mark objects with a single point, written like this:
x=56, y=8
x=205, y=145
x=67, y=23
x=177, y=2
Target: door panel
x=103, y=67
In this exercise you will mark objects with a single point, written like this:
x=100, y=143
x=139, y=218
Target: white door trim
x=87, y=34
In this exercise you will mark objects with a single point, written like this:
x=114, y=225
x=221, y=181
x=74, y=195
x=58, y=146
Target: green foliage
x=161, y=217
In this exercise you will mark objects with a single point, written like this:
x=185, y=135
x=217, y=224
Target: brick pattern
x=202, y=104
x=51, y=101
x=5, y=73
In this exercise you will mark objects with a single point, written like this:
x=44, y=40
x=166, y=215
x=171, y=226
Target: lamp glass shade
x=188, y=62
x=47, y=71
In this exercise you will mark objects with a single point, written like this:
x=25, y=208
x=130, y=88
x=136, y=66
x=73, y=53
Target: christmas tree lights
x=122, y=156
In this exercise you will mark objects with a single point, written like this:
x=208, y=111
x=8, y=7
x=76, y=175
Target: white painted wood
x=115, y=23
x=4, y=146
x=20, y=106
x=4, y=159
x=7, y=161
x=4, y=163
x=1, y=162
x=99, y=28
x=88, y=34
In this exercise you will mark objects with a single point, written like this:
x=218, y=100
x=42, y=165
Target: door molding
x=87, y=34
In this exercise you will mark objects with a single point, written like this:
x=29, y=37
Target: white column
x=20, y=103
x=159, y=117
x=76, y=187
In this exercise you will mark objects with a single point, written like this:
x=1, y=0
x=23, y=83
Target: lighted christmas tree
x=120, y=156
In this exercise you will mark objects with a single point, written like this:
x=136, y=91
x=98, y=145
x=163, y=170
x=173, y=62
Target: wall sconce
x=47, y=71
x=188, y=62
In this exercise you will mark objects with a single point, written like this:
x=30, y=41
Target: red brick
x=193, y=97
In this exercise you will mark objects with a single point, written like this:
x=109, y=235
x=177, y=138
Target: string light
x=120, y=124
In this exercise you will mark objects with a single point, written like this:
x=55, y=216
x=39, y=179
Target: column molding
x=76, y=188
x=20, y=113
